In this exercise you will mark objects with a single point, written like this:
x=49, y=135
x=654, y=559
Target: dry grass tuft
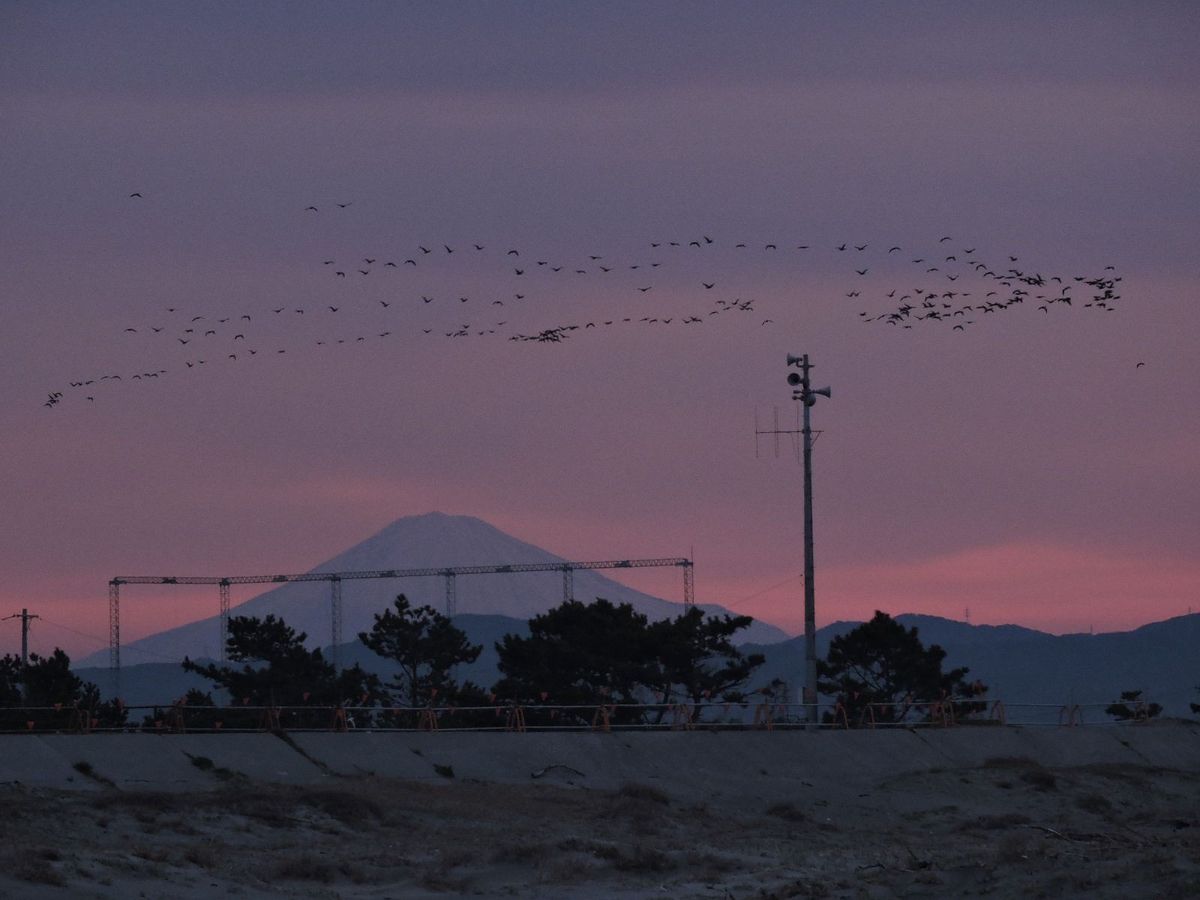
x=644, y=859
x=1096, y=804
x=1040, y=779
x=152, y=854
x=996, y=822
x=643, y=793
x=35, y=871
x=354, y=810
x=309, y=868
x=531, y=852
x=136, y=801
x=202, y=857
x=787, y=811
x=1012, y=848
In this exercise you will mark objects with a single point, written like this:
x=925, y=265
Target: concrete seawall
x=721, y=764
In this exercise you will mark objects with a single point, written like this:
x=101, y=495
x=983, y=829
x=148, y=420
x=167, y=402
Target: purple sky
x=1023, y=467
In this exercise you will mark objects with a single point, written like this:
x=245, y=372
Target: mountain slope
x=433, y=540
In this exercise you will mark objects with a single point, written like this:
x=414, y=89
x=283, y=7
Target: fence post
x=602, y=720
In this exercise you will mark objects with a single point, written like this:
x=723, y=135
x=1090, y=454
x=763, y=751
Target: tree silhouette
x=599, y=653
x=1132, y=706
x=53, y=696
x=880, y=669
x=279, y=671
x=579, y=654
x=427, y=646
x=697, y=660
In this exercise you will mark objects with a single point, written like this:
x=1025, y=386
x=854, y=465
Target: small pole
x=24, y=615
x=25, y=640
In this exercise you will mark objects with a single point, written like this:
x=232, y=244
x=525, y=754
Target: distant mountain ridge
x=1020, y=665
x=1023, y=666
x=431, y=540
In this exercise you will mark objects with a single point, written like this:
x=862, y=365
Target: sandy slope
x=600, y=821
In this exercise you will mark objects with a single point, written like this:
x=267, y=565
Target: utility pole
x=803, y=391
x=24, y=615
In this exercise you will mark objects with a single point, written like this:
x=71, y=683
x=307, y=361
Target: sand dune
x=1086, y=812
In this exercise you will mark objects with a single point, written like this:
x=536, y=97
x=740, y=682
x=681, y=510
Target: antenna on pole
x=776, y=433
x=803, y=391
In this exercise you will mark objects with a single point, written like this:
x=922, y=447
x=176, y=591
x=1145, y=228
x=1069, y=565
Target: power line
x=94, y=637
x=102, y=641
x=736, y=603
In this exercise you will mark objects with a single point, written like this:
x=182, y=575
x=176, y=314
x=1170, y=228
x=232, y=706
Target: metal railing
x=765, y=715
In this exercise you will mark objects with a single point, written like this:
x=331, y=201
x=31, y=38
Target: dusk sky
x=1024, y=466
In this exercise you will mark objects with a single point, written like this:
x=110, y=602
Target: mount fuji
x=432, y=540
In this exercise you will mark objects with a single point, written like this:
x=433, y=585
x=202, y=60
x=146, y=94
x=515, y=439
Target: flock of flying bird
x=948, y=285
